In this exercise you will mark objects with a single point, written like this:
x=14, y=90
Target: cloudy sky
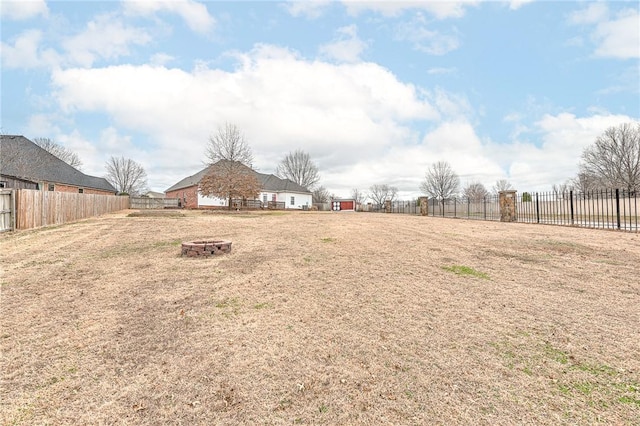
x=375, y=92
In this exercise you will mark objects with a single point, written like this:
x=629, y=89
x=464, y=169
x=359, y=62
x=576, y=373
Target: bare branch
x=475, y=191
x=229, y=144
x=358, y=195
x=614, y=158
x=298, y=167
x=65, y=154
x=321, y=195
x=440, y=181
x=126, y=175
x=501, y=185
x=380, y=193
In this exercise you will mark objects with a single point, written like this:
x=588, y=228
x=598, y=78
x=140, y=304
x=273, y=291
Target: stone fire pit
x=205, y=248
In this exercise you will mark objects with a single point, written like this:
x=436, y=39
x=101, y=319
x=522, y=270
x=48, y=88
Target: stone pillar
x=508, y=206
x=424, y=205
x=387, y=206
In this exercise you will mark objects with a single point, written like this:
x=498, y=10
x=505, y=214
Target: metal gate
x=7, y=209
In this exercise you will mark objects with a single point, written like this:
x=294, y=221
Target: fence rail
x=36, y=208
x=603, y=209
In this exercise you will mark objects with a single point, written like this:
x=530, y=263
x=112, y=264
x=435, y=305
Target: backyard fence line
x=154, y=203
x=36, y=208
x=601, y=209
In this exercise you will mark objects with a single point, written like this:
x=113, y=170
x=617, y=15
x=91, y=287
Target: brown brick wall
x=188, y=196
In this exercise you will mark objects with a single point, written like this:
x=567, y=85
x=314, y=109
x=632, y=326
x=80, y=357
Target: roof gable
x=21, y=158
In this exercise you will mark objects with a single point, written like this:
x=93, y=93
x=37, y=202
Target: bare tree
x=358, y=196
x=440, y=182
x=298, y=167
x=126, y=175
x=501, y=185
x=584, y=182
x=614, y=158
x=380, y=193
x=63, y=153
x=321, y=195
x=230, y=160
x=230, y=182
x=228, y=143
x=475, y=191
x=561, y=189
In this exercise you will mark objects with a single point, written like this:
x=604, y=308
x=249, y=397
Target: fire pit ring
x=205, y=248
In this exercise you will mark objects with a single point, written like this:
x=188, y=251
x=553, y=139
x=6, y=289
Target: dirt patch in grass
x=319, y=318
x=156, y=213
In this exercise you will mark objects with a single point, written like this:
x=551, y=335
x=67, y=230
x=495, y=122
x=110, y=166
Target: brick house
x=287, y=193
x=24, y=165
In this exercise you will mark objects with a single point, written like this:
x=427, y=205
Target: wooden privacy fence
x=154, y=203
x=41, y=208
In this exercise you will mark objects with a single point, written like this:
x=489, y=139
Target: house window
x=3, y=184
x=293, y=201
x=52, y=187
x=264, y=198
x=273, y=198
x=80, y=190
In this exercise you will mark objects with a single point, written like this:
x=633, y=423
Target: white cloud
x=358, y=121
x=620, y=37
x=563, y=137
x=311, y=9
x=440, y=9
x=26, y=52
x=442, y=70
x=517, y=4
x=193, y=13
x=592, y=14
x=43, y=125
x=614, y=37
x=340, y=114
x=424, y=39
x=23, y=9
x=346, y=47
x=105, y=37
x=160, y=59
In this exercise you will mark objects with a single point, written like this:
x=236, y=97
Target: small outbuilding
x=343, y=205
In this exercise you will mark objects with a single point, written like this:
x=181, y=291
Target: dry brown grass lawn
x=319, y=318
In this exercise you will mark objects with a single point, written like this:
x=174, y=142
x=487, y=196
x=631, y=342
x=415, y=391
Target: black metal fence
x=604, y=209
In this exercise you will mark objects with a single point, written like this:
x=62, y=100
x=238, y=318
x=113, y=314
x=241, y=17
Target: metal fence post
x=537, y=209
x=484, y=207
x=571, y=202
x=618, y=206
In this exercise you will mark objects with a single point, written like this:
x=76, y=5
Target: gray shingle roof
x=21, y=158
x=268, y=182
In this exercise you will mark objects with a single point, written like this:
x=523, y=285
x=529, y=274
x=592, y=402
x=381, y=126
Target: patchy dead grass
x=319, y=318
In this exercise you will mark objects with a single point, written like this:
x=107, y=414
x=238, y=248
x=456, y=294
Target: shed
x=343, y=205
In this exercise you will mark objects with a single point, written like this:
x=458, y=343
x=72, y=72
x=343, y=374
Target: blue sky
x=375, y=92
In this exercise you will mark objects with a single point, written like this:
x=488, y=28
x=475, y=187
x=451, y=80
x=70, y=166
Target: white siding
x=300, y=200
x=211, y=201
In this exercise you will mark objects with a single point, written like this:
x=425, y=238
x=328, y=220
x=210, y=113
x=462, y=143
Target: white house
x=286, y=193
